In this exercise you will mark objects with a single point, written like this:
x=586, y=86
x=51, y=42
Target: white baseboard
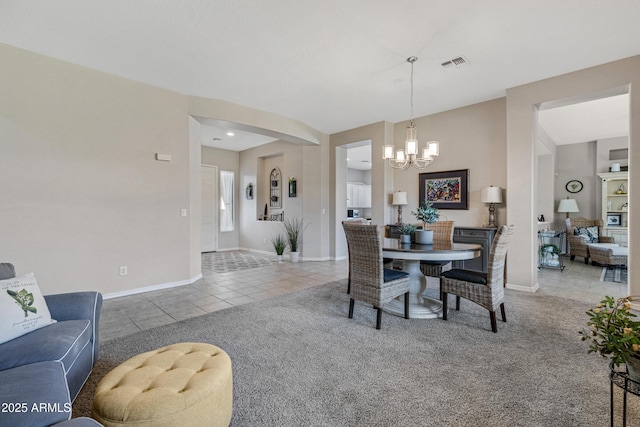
x=531, y=289
x=258, y=251
x=152, y=288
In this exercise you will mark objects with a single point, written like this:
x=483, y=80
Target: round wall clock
x=573, y=186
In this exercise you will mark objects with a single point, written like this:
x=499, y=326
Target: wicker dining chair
x=370, y=281
x=442, y=231
x=355, y=222
x=486, y=290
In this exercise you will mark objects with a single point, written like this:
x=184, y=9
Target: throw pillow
x=588, y=234
x=22, y=307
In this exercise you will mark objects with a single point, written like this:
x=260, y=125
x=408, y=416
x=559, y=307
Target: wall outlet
x=123, y=270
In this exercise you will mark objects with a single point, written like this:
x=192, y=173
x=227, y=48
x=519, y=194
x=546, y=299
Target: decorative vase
x=633, y=369
x=405, y=238
x=294, y=256
x=424, y=237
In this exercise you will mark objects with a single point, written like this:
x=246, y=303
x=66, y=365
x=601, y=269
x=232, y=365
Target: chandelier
x=411, y=155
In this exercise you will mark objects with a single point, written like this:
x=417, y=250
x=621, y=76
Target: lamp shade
x=492, y=195
x=399, y=198
x=568, y=205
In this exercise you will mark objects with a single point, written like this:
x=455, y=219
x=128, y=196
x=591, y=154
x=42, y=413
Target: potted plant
x=614, y=334
x=279, y=244
x=428, y=215
x=405, y=232
x=294, y=228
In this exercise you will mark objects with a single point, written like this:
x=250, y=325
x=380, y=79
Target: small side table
x=622, y=380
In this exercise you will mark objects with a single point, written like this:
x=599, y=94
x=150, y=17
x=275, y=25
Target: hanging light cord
x=411, y=60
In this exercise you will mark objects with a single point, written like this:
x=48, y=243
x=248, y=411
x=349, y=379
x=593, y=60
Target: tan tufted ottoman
x=186, y=384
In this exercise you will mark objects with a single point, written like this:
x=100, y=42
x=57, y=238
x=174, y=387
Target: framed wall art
x=614, y=220
x=446, y=190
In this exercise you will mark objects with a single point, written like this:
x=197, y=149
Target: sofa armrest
x=606, y=239
x=77, y=306
x=74, y=305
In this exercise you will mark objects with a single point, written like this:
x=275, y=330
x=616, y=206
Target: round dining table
x=420, y=306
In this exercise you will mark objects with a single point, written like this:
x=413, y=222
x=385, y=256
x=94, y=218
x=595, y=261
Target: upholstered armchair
x=581, y=232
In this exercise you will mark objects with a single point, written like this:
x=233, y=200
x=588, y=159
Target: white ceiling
x=587, y=121
x=359, y=156
x=332, y=64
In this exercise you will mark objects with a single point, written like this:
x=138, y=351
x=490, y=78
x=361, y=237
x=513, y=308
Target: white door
x=209, y=210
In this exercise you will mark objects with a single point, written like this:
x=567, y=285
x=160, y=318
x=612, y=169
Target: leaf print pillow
x=22, y=307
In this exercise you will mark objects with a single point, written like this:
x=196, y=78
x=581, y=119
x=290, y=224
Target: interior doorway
x=209, y=208
x=576, y=139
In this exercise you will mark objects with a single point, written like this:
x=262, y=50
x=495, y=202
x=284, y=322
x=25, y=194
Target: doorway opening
x=580, y=139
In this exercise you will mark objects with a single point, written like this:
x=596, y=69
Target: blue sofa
x=42, y=372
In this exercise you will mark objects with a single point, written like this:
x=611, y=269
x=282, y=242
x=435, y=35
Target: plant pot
x=424, y=237
x=279, y=258
x=405, y=238
x=633, y=369
x=294, y=256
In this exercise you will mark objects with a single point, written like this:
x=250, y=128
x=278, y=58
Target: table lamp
x=568, y=205
x=492, y=195
x=399, y=200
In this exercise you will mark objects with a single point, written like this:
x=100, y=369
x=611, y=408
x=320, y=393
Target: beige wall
x=471, y=137
x=521, y=136
x=82, y=193
x=308, y=165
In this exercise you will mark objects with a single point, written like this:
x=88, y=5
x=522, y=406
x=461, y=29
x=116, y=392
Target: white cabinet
x=615, y=205
x=358, y=195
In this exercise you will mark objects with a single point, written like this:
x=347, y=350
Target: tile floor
x=579, y=281
x=216, y=291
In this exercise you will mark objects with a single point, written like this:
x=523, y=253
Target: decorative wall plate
x=573, y=186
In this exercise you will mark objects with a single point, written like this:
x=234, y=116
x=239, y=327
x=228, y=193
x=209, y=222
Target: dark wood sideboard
x=479, y=236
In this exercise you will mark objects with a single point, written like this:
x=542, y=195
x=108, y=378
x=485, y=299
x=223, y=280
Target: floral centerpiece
x=428, y=215
x=614, y=333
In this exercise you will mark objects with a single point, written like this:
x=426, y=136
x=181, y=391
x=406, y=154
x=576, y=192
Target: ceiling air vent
x=455, y=62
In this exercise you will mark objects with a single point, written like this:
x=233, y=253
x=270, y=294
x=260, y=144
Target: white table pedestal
x=419, y=306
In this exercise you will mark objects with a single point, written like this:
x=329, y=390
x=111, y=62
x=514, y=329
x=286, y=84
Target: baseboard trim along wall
x=524, y=288
x=152, y=288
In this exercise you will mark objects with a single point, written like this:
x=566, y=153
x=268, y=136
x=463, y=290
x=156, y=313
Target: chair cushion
x=466, y=276
x=588, y=234
x=390, y=275
x=62, y=341
x=22, y=307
